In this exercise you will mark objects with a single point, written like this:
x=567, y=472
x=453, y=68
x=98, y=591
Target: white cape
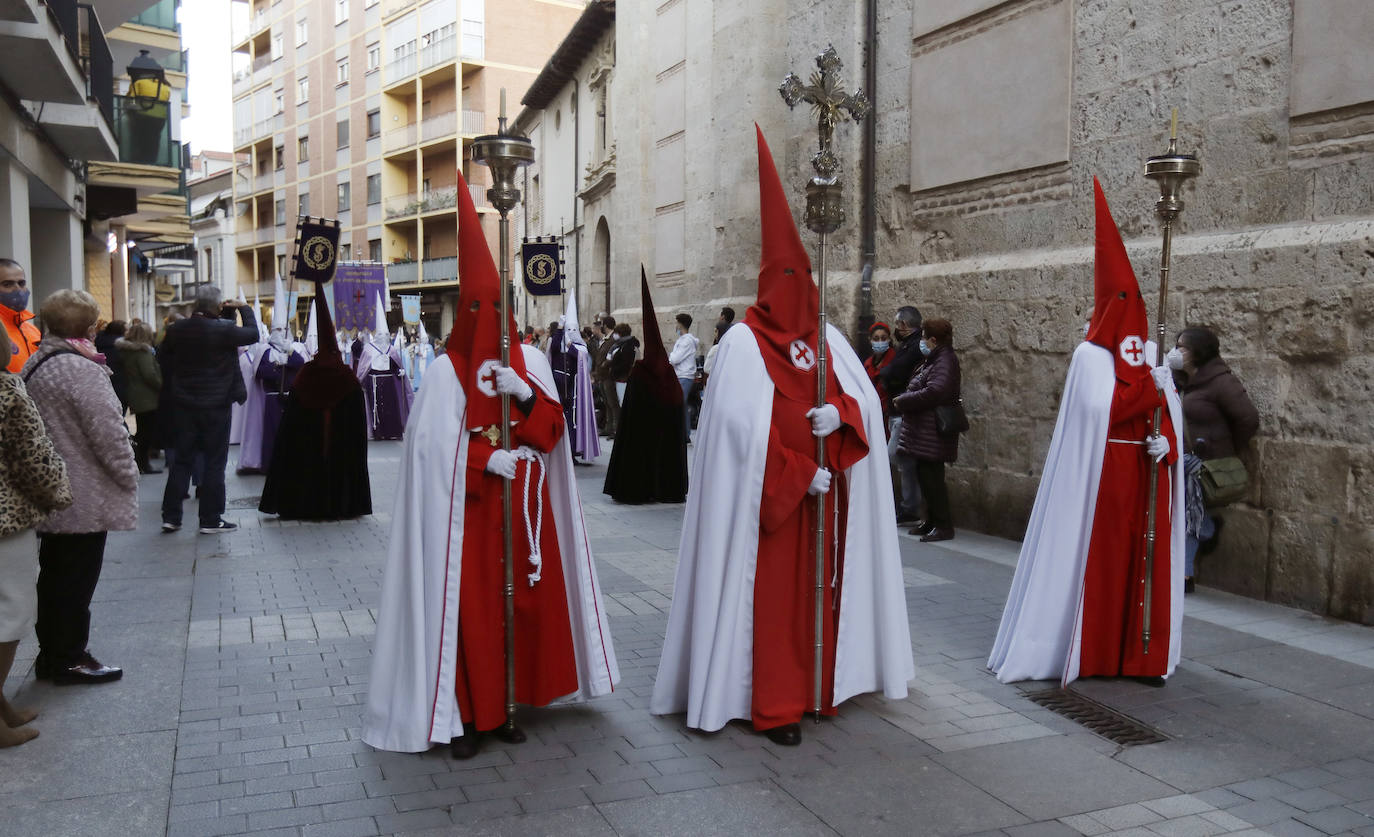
x=1040, y=635
x=707, y=663
x=411, y=702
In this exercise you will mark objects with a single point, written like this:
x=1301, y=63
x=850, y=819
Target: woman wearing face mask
x=880, y=338
x=935, y=384
x=1219, y=419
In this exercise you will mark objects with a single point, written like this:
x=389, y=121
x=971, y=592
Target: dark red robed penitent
x=784, y=320
x=545, y=668
x=1113, y=588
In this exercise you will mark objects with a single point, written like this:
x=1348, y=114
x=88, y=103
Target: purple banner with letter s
x=356, y=289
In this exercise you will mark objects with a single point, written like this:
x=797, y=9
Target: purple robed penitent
x=386, y=391
x=262, y=411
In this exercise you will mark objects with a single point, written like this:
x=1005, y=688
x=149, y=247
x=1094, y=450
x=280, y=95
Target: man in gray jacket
x=201, y=380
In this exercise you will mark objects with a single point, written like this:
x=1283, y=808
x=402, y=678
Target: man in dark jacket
x=894, y=378
x=200, y=369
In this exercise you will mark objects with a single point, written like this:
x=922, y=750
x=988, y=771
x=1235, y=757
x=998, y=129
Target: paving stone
x=1312, y=799
x=1336, y=820
x=1264, y=811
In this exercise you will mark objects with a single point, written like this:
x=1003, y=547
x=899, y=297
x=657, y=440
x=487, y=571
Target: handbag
x=950, y=419
x=1224, y=481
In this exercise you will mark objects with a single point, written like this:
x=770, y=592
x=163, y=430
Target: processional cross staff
x=824, y=214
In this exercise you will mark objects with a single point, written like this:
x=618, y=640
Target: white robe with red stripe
x=411, y=703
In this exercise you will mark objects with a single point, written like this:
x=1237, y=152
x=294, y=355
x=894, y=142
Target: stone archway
x=601, y=266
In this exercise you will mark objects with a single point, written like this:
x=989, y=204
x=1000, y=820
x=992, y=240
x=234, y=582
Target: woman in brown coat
x=1219, y=419
x=936, y=383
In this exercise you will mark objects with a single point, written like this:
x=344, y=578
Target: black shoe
x=938, y=535
x=787, y=735
x=468, y=744
x=509, y=733
x=1153, y=682
x=1209, y=546
x=170, y=527
x=221, y=528
x=88, y=670
x=921, y=528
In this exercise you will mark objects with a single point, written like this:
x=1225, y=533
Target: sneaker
x=219, y=528
x=170, y=527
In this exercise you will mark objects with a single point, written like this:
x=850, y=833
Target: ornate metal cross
x=828, y=101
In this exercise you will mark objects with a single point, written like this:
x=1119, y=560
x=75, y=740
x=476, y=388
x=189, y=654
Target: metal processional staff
x=824, y=214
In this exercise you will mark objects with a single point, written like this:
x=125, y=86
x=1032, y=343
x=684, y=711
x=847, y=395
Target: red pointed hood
x=475, y=343
x=784, y=319
x=1120, y=323
x=653, y=369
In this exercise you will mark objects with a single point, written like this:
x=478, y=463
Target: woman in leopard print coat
x=33, y=483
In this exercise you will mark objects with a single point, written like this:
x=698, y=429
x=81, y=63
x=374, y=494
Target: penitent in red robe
x=784, y=580
x=545, y=668
x=1113, y=581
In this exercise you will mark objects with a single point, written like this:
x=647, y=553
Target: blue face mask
x=16, y=300
x=880, y=345
x=925, y=348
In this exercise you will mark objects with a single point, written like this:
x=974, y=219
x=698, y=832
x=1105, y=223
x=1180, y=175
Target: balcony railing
x=445, y=197
x=474, y=40
x=143, y=130
x=439, y=125
x=265, y=127
x=161, y=15
x=442, y=50
x=474, y=122
x=444, y=269
x=478, y=193
x=98, y=64
x=391, y=7
x=243, y=81
x=399, y=206
x=243, y=135
x=259, y=21
x=402, y=137
x=400, y=68
x=400, y=273
x=262, y=62
x=266, y=235
x=263, y=182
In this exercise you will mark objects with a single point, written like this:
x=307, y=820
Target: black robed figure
x=319, y=463
x=649, y=460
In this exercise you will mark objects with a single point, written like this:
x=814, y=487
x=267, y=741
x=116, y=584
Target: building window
x=303, y=204
x=302, y=89
x=340, y=11
x=374, y=189
x=279, y=210
x=374, y=56
x=344, y=193
x=302, y=31
x=343, y=133
x=345, y=252
x=343, y=71
x=277, y=46
x=302, y=149
x=278, y=101
x=374, y=249
x=374, y=123
x=279, y=155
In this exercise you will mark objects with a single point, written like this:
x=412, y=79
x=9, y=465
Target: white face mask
x=880, y=345
x=1174, y=358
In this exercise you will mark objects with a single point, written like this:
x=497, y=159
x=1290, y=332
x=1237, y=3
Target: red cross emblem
x=1132, y=350
x=486, y=377
x=802, y=356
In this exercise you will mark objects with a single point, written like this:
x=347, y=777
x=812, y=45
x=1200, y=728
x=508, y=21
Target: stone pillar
x=58, y=259
x=119, y=275
x=14, y=215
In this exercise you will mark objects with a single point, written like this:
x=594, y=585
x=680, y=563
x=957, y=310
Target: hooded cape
x=649, y=459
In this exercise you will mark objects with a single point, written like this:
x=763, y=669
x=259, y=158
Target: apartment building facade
x=365, y=110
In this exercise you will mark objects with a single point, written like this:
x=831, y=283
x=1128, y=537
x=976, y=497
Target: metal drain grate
x=1103, y=720
x=243, y=503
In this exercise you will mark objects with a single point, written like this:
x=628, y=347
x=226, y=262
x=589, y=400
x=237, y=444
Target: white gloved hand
x=1157, y=446
x=824, y=420
x=502, y=464
x=1164, y=378
x=820, y=484
x=509, y=382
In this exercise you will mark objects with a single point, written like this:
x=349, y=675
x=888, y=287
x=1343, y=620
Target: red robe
x=545, y=668
x=784, y=579
x=1113, y=581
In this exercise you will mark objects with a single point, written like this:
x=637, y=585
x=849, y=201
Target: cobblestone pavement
x=247, y=660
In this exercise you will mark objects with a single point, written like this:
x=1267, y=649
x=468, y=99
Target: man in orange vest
x=14, y=302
